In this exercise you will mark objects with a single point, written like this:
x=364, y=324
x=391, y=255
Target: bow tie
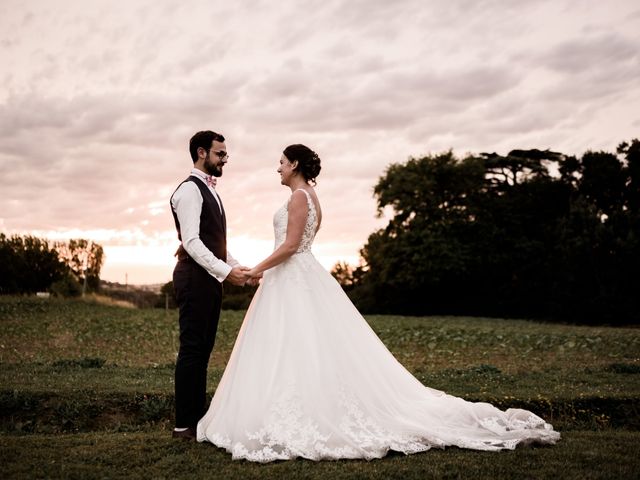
x=211, y=181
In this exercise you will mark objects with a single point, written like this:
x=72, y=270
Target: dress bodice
x=281, y=218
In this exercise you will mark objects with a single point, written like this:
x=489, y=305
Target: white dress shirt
x=187, y=203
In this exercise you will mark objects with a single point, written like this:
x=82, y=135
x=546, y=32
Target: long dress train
x=309, y=378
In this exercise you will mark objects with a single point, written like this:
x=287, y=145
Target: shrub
x=67, y=287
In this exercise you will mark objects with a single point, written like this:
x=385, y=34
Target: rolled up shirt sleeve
x=187, y=203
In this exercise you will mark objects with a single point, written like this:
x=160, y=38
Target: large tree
x=530, y=233
x=85, y=259
x=28, y=264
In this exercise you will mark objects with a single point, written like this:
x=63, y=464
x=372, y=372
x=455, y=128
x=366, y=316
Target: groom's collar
x=199, y=173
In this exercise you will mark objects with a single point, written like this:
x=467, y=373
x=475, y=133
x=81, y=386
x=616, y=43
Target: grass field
x=87, y=392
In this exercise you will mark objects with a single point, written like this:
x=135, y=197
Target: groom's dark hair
x=204, y=140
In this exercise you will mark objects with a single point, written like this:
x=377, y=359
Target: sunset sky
x=98, y=100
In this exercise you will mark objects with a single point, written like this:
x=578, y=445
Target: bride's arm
x=298, y=211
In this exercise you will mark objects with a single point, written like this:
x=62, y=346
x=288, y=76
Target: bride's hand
x=254, y=277
x=252, y=273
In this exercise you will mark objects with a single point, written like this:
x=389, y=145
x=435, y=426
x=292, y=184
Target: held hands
x=254, y=278
x=242, y=276
x=238, y=276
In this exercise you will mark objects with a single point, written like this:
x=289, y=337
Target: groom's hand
x=238, y=276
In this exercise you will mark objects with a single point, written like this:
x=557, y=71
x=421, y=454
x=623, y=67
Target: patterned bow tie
x=212, y=181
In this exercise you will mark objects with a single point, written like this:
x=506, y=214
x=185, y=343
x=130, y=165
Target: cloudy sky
x=98, y=100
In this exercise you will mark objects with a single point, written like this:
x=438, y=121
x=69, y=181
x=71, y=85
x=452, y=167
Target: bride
x=309, y=378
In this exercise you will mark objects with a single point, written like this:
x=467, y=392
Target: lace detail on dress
x=289, y=431
x=374, y=440
x=281, y=218
x=286, y=433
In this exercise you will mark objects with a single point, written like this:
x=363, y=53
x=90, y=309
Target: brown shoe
x=188, y=435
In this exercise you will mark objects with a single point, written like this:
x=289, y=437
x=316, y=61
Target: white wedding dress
x=309, y=378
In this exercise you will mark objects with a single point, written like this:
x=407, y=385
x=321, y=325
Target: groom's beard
x=211, y=168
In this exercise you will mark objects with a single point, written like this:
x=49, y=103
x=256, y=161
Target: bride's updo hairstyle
x=308, y=161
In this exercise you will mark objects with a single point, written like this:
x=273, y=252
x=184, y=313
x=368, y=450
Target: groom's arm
x=187, y=203
x=232, y=262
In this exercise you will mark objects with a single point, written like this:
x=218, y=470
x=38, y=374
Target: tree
x=631, y=152
x=603, y=181
x=518, y=166
x=534, y=233
x=84, y=258
x=28, y=264
x=344, y=274
x=419, y=251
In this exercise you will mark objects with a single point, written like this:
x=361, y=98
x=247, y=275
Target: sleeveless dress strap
x=309, y=199
x=305, y=192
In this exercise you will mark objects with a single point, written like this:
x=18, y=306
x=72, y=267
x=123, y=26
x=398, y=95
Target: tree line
x=533, y=233
x=29, y=264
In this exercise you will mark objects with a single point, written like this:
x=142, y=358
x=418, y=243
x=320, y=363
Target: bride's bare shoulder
x=298, y=200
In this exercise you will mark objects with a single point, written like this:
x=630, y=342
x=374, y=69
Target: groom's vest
x=213, y=224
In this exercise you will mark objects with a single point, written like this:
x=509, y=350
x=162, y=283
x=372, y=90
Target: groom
x=203, y=264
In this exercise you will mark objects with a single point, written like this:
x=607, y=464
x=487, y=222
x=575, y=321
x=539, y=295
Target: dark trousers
x=199, y=297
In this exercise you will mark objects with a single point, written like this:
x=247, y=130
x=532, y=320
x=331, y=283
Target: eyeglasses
x=222, y=154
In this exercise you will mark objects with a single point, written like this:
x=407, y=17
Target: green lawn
x=609, y=454
x=86, y=391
